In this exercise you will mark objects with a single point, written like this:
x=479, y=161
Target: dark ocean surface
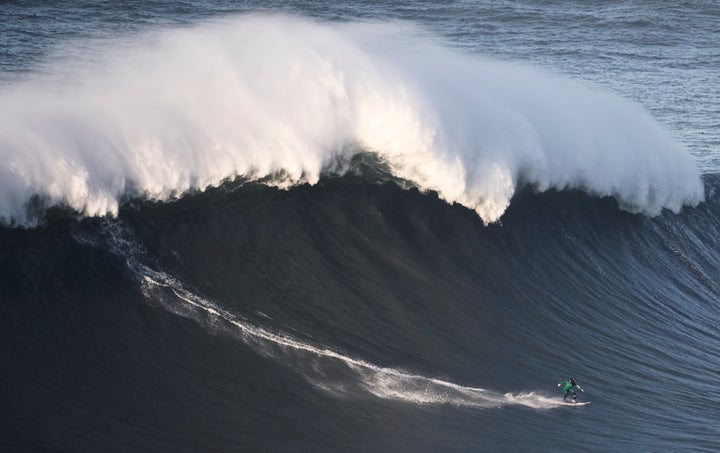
x=359, y=226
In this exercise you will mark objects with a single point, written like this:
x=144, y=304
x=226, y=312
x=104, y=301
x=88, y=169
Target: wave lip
x=257, y=96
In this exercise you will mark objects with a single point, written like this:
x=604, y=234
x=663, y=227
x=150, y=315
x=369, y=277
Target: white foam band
x=257, y=95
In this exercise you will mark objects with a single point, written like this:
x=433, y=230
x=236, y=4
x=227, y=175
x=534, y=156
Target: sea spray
x=264, y=95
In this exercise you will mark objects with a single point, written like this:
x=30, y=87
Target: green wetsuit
x=569, y=388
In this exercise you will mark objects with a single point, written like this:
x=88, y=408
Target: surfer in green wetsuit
x=569, y=386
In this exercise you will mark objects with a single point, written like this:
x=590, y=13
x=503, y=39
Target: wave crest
x=259, y=95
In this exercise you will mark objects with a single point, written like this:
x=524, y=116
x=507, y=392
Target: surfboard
x=580, y=403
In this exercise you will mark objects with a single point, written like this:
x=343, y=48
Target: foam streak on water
x=258, y=95
x=317, y=364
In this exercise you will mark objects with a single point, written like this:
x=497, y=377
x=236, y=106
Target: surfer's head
x=572, y=379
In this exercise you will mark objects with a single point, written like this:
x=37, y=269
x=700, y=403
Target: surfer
x=569, y=386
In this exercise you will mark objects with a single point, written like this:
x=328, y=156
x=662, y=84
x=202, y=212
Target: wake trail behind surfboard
x=327, y=369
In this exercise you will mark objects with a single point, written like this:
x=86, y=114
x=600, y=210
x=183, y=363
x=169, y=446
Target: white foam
x=187, y=108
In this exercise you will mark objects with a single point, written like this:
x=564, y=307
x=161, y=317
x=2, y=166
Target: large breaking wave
x=287, y=98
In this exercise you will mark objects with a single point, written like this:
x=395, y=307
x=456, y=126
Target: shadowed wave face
x=185, y=109
x=306, y=315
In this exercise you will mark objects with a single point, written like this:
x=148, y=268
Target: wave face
x=290, y=99
x=252, y=317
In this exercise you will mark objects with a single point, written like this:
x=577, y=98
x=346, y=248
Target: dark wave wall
x=564, y=284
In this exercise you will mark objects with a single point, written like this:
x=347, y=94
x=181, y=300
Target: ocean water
x=359, y=226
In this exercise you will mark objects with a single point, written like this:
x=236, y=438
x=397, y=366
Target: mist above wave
x=259, y=95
